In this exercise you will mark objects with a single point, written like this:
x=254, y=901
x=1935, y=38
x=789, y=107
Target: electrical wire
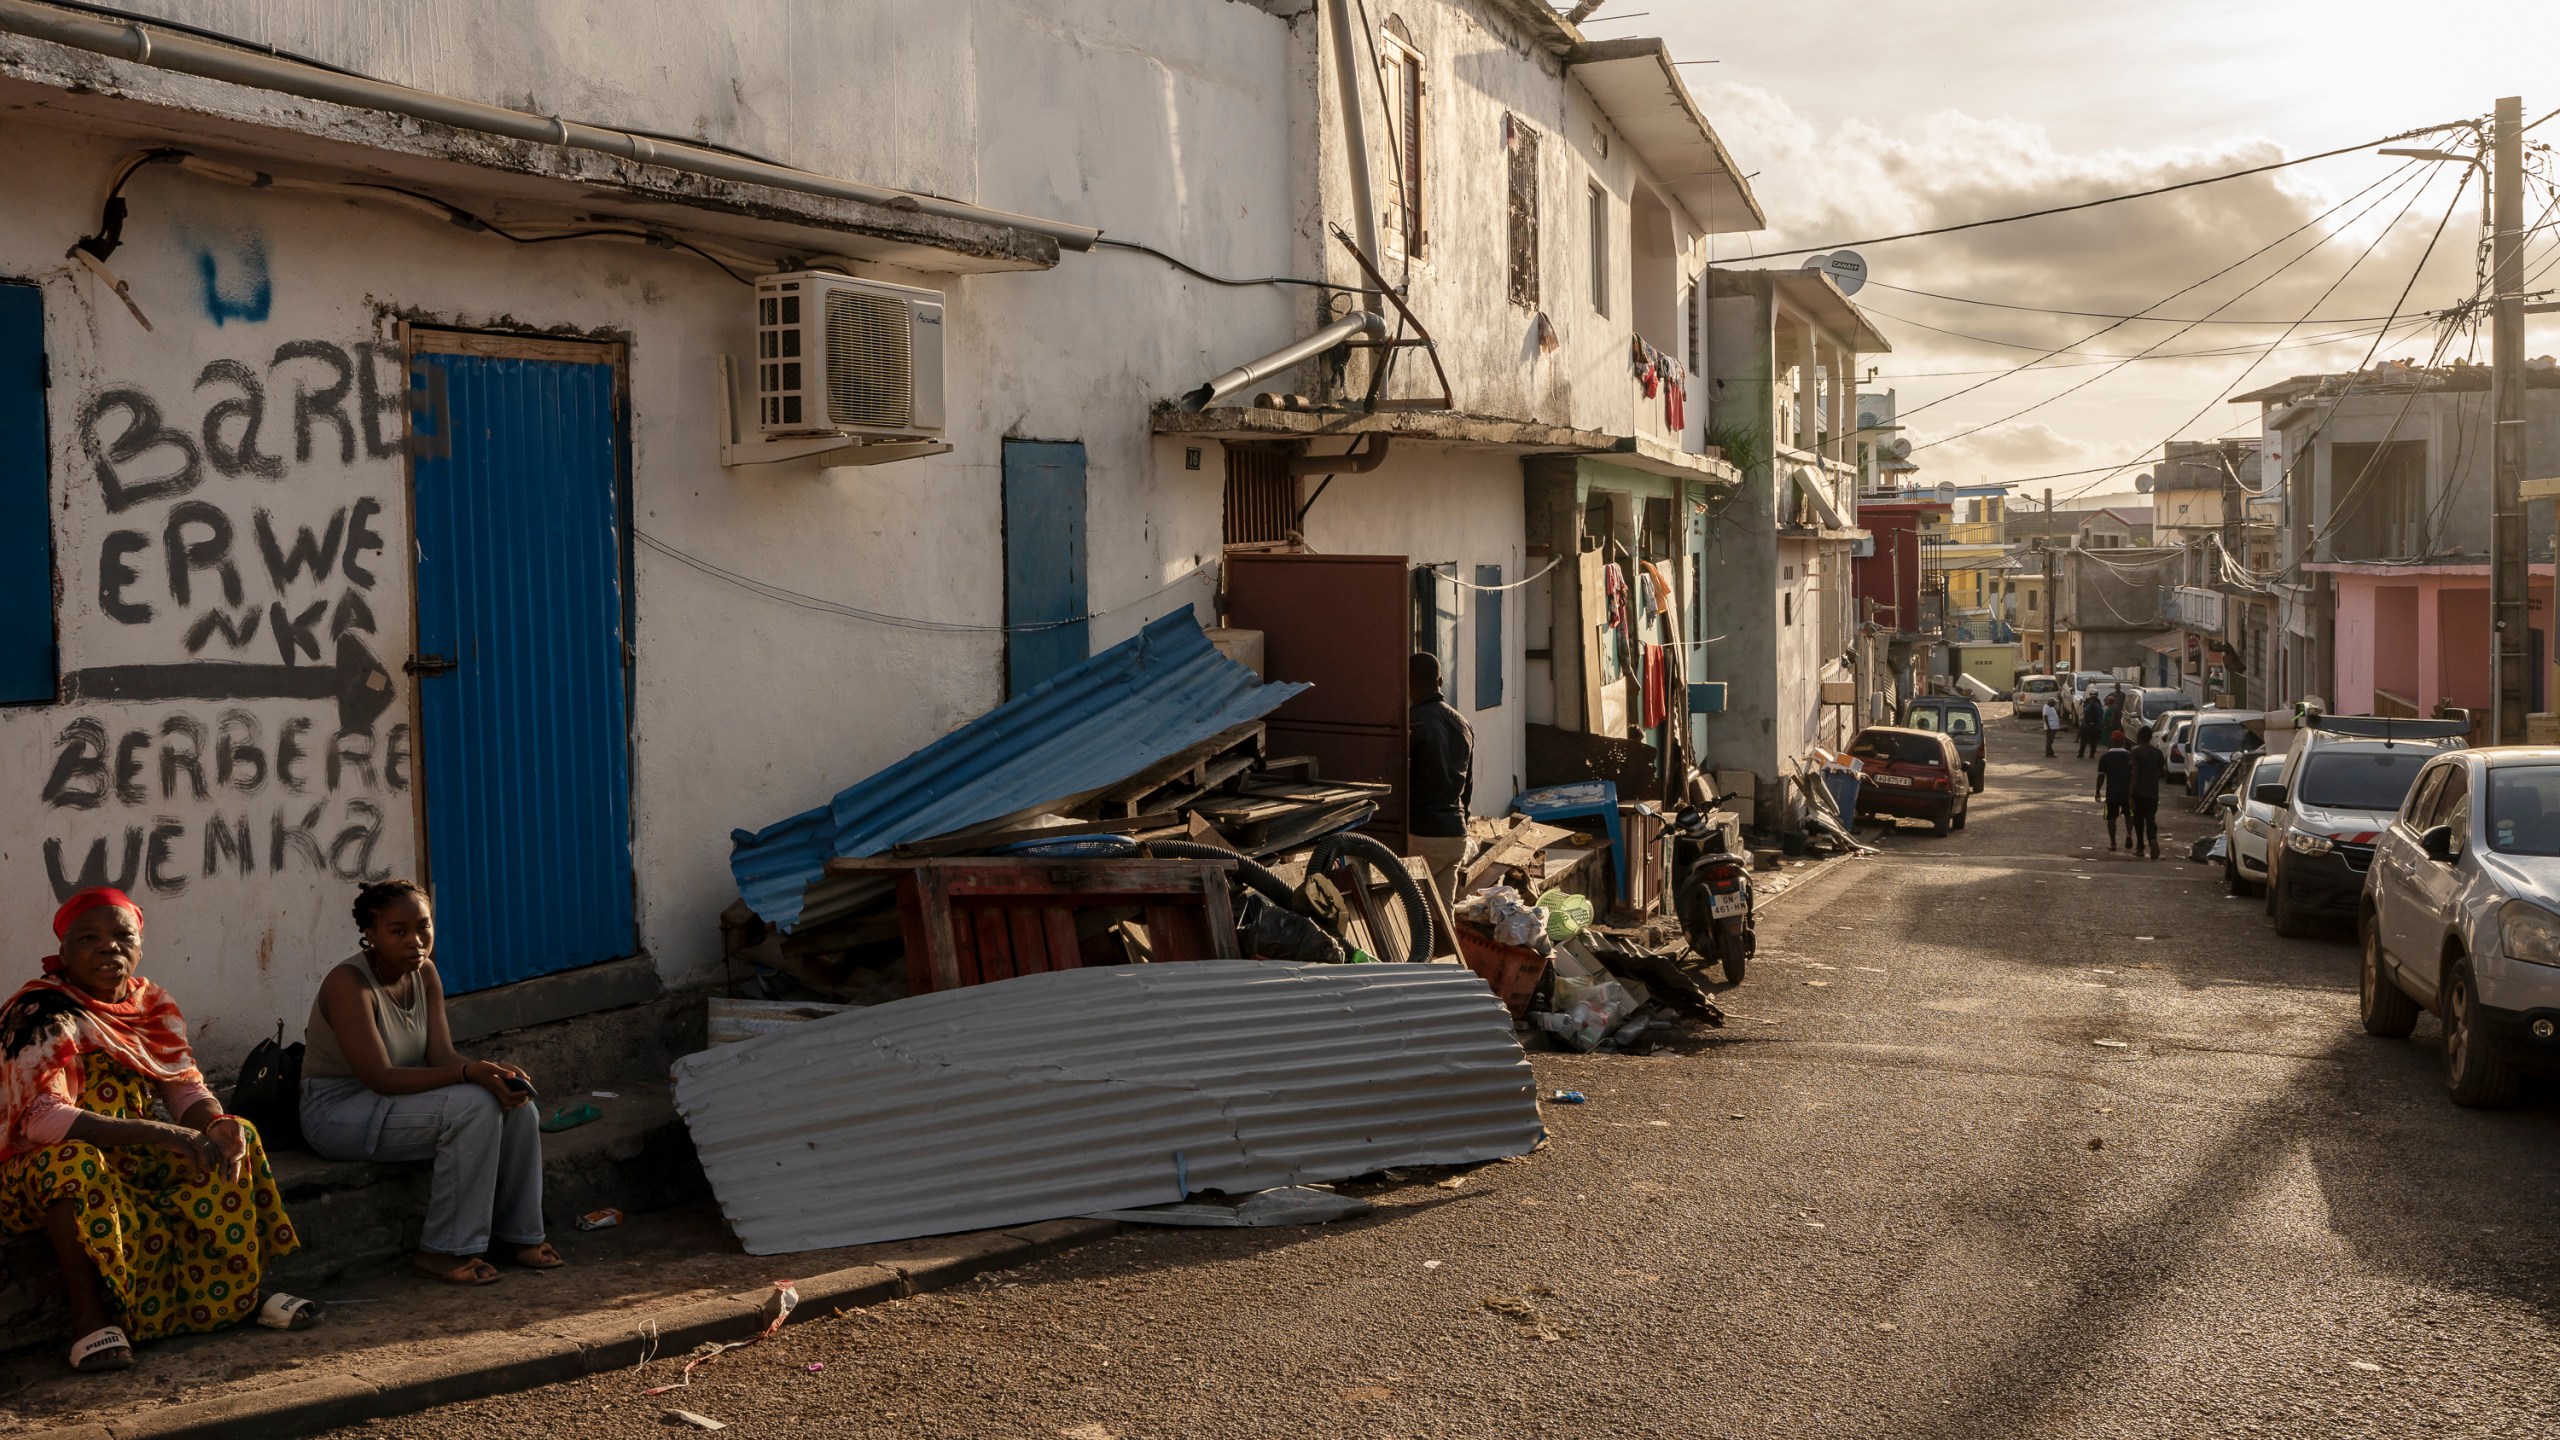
x=2111, y=315
x=1514, y=585
x=904, y=622
x=1187, y=268
x=2216, y=352
x=2268, y=278
x=2394, y=178
x=2112, y=199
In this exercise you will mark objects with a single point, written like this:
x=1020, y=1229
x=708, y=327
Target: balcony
x=2192, y=607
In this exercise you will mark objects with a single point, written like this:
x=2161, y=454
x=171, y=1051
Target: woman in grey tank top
x=382, y=1081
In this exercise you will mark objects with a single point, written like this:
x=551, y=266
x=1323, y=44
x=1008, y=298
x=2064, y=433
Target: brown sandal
x=462, y=1270
x=538, y=1257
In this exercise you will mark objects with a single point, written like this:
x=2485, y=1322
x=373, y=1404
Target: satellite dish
x=2142, y=483
x=1898, y=448
x=1847, y=269
x=1867, y=420
x=1947, y=492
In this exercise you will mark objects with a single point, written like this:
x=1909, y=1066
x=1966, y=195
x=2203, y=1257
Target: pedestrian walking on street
x=2052, y=724
x=2093, y=723
x=2148, y=766
x=1441, y=771
x=2115, y=788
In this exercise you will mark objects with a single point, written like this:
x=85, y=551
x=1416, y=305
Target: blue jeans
x=488, y=1176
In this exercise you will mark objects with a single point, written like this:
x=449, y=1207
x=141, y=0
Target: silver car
x=2461, y=916
x=2247, y=822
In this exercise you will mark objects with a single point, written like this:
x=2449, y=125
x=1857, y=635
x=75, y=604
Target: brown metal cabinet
x=1344, y=625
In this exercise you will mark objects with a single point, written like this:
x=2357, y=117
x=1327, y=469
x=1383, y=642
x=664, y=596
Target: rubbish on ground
x=2210, y=847
x=1430, y=1264
x=1586, y=1013
x=1513, y=921
x=604, y=1219
x=1007, y=1104
x=1286, y=1205
x=1454, y=1182
x=1661, y=974
x=1570, y=1097
x=816, y=1366
x=777, y=1308
x=696, y=1421
x=570, y=1117
x=1568, y=915
x=606, y=1094
x=734, y=1019
x=2097, y=1142
x=2114, y=1044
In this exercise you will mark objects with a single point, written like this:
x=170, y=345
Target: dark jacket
x=2149, y=764
x=2093, y=718
x=1442, y=761
x=2115, y=776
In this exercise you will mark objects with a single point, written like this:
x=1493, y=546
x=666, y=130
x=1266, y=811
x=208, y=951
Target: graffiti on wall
x=258, y=737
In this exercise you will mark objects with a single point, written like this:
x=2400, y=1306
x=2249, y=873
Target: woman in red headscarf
x=160, y=1228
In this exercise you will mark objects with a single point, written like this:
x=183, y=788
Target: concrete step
x=353, y=1213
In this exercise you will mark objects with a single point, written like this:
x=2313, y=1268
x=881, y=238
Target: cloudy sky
x=1868, y=119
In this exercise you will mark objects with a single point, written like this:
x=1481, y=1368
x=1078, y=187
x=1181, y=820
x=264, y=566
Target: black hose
x=1271, y=887
x=1417, y=908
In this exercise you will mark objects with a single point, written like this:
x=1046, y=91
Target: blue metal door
x=523, y=752
x=1044, y=560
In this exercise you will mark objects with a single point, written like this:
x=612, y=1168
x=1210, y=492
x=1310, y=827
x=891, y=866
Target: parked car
x=2085, y=683
x=2342, y=782
x=2147, y=705
x=2032, y=692
x=2167, y=732
x=1961, y=721
x=2218, y=738
x=2246, y=823
x=2461, y=916
x=1912, y=773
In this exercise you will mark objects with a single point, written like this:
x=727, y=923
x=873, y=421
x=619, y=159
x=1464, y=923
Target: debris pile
x=1587, y=987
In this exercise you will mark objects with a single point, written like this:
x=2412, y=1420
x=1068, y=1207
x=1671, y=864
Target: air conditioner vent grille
x=871, y=377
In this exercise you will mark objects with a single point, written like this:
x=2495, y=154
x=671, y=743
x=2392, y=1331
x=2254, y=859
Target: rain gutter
x=168, y=50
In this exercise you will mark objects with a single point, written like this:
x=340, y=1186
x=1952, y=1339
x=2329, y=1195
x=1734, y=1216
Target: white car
x=2169, y=732
x=2344, y=779
x=2461, y=916
x=2247, y=822
x=2033, y=691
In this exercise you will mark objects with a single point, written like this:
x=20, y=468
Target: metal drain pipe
x=1253, y=372
x=168, y=50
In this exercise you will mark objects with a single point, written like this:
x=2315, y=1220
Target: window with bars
x=1407, y=210
x=1262, y=496
x=1520, y=145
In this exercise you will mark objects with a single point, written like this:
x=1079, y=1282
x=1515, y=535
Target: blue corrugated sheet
x=1087, y=728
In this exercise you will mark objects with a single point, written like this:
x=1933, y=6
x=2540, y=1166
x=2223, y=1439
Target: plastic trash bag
x=1585, y=1013
x=1567, y=915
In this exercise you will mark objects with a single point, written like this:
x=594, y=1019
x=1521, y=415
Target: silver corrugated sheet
x=1101, y=1089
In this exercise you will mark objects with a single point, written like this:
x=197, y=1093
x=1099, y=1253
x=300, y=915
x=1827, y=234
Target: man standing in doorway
x=2148, y=766
x=2115, y=787
x=1440, y=766
x=2052, y=723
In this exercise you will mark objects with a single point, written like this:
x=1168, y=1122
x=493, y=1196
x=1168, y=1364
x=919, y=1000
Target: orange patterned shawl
x=48, y=1026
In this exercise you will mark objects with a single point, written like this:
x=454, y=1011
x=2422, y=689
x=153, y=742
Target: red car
x=1911, y=773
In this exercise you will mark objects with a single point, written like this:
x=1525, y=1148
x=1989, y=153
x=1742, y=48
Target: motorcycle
x=1713, y=894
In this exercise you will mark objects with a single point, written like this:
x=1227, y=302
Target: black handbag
x=268, y=1093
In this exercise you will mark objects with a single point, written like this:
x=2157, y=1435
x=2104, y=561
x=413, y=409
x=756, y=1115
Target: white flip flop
x=288, y=1312
x=104, y=1348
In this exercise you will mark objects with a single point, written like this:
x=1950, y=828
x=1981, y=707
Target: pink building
x=2410, y=636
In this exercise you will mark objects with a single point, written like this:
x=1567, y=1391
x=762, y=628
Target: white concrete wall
x=1163, y=121
x=1481, y=67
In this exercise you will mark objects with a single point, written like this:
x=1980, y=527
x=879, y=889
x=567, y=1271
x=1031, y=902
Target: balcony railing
x=2191, y=606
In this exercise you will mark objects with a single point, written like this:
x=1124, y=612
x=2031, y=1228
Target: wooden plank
x=941, y=938
x=1058, y=925
x=1003, y=835
x=1030, y=940
x=1172, y=932
x=1444, y=921
x=1217, y=917
x=911, y=926
x=1595, y=614
x=995, y=942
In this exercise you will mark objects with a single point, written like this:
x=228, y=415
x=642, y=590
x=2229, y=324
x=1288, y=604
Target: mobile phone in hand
x=519, y=1084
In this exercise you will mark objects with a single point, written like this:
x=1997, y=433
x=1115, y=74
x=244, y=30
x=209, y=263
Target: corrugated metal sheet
x=1101, y=1089
x=524, y=748
x=1161, y=691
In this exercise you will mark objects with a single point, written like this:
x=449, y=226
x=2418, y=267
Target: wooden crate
x=969, y=921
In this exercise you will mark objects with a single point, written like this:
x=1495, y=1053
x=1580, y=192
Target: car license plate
x=1728, y=906
x=1893, y=779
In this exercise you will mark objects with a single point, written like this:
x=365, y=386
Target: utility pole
x=2052, y=597
x=2510, y=633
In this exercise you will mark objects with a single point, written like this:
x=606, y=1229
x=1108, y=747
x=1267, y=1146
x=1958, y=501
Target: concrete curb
x=579, y=1346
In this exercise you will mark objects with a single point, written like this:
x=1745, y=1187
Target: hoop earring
x=364, y=942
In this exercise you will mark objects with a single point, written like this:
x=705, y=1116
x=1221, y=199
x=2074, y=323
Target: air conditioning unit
x=841, y=356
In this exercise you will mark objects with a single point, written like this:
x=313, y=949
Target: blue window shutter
x=26, y=512
x=1488, y=636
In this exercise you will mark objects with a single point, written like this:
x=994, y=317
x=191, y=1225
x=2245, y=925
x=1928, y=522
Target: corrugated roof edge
x=1148, y=697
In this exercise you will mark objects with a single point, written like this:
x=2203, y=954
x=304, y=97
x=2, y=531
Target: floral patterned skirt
x=179, y=1255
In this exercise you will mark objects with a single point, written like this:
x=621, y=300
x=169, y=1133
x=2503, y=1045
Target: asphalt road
x=2006, y=1137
